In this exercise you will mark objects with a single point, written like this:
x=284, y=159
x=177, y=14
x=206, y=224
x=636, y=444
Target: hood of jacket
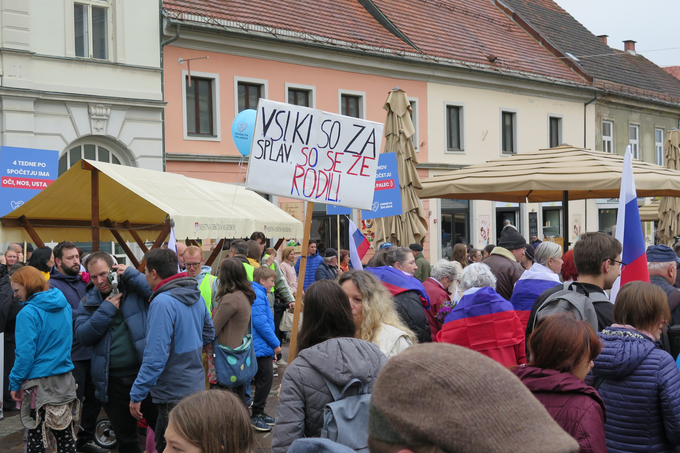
x=51, y=300
x=182, y=287
x=260, y=290
x=205, y=270
x=624, y=350
x=340, y=360
x=540, y=380
x=71, y=279
x=504, y=253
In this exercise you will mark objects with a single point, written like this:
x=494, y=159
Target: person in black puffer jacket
x=9, y=309
x=395, y=268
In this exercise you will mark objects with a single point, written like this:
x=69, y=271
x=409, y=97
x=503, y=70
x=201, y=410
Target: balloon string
x=238, y=180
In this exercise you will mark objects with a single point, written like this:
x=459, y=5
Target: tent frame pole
x=136, y=237
x=216, y=251
x=299, y=306
x=94, y=195
x=112, y=227
x=565, y=219
x=159, y=241
x=31, y=232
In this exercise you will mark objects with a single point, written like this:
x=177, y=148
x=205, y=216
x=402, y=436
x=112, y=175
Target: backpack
x=345, y=421
x=570, y=300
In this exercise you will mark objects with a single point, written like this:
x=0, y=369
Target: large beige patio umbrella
x=561, y=173
x=411, y=226
x=669, y=207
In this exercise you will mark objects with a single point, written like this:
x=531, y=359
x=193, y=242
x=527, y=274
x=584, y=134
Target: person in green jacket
x=424, y=268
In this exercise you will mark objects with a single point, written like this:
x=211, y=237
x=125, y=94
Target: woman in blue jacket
x=638, y=381
x=44, y=334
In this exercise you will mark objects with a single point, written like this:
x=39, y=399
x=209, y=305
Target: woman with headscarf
x=396, y=266
x=375, y=317
x=483, y=321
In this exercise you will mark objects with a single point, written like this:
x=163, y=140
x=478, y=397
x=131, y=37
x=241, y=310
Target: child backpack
x=571, y=301
x=345, y=420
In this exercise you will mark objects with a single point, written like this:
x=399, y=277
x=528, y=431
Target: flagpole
x=299, y=306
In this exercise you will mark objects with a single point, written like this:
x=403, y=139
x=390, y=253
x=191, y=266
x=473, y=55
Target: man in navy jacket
x=65, y=276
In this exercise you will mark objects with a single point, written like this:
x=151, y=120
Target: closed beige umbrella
x=669, y=207
x=411, y=226
x=650, y=212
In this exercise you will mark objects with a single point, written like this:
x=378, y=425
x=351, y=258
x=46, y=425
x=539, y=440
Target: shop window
x=607, y=219
x=455, y=225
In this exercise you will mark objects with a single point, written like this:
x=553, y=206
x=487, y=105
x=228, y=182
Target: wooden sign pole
x=309, y=211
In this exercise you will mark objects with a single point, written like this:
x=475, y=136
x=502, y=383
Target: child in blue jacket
x=266, y=345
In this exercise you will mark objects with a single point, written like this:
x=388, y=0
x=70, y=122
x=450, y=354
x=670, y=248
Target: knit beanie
x=462, y=402
x=511, y=239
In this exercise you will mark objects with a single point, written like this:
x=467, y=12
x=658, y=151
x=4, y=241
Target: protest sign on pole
x=24, y=173
x=387, y=195
x=316, y=156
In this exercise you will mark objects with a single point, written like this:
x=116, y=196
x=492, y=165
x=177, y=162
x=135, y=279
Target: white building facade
x=83, y=78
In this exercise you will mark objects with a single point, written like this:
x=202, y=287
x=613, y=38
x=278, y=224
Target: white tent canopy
x=146, y=199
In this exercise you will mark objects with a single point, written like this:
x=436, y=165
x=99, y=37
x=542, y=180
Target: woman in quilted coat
x=562, y=350
x=327, y=351
x=640, y=382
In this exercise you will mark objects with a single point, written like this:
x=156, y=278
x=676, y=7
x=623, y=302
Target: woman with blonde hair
x=459, y=259
x=212, y=421
x=288, y=259
x=375, y=317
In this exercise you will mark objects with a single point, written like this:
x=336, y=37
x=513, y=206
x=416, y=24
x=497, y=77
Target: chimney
x=629, y=45
x=603, y=38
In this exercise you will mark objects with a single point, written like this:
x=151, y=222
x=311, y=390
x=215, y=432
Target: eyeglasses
x=192, y=264
x=623, y=265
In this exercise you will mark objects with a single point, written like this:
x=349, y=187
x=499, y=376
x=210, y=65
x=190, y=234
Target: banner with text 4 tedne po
x=311, y=155
x=24, y=173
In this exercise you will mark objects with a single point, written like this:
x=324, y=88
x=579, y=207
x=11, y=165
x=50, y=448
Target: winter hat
x=511, y=239
x=460, y=401
x=416, y=247
x=529, y=252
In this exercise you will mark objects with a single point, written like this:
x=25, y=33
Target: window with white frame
x=199, y=100
x=248, y=95
x=634, y=139
x=91, y=29
x=454, y=128
x=350, y=105
x=554, y=131
x=90, y=151
x=414, y=120
x=608, y=136
x=508, y=132
x=658, y=145
x=299, y=96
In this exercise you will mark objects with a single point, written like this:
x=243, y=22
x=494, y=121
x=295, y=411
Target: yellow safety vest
x=206, y=291
x=249, y=271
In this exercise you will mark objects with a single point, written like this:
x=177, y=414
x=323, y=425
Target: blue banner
x=337, y=210
x=24, y=172
x=387, y=195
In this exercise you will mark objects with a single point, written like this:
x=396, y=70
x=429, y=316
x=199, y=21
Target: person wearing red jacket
x=444, y=273
x=562, y=351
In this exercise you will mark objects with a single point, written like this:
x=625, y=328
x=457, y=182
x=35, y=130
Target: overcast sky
x=654, y=24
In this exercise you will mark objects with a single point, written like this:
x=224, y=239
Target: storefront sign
x=311, y=155
x=387, y=195
x=25, y=172
x=294, y=209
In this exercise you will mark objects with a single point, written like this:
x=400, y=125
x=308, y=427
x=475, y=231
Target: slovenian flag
x=398, y=282
x=530, y=285
x=485, y=322
x=629, y=230
x=358, y=246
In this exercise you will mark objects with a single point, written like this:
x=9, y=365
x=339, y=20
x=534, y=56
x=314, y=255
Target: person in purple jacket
x=562, y=350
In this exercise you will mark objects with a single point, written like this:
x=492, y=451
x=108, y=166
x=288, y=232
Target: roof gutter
x=163, y=44
x=585, y=123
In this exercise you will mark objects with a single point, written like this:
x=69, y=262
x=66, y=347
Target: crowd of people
x=514, y=347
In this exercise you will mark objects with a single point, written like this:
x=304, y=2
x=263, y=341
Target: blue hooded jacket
x=641, y=389
x=264, y=338
x=178, y=326
x=74, y=289
x=93, y=324
x=44, y=334
x=313, y=262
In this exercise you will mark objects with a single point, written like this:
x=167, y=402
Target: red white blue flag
x=530, y=285
x=629, y=230
x=358, y=246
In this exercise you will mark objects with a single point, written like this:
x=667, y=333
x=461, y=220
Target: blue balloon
x=242, y=130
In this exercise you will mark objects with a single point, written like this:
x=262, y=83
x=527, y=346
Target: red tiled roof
x=673, y=70
x=472, y=31
x=458, y=32
x=336, y=22
x=611, y=67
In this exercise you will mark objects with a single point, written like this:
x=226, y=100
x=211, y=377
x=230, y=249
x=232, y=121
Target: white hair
x=444, y=268
x=547, y=250
x=654, y=266
x=477, y=275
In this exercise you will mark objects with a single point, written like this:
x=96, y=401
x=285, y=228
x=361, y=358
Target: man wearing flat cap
x=505, y=260
x=328, y=269
x=424, y=269
x=663, y=269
